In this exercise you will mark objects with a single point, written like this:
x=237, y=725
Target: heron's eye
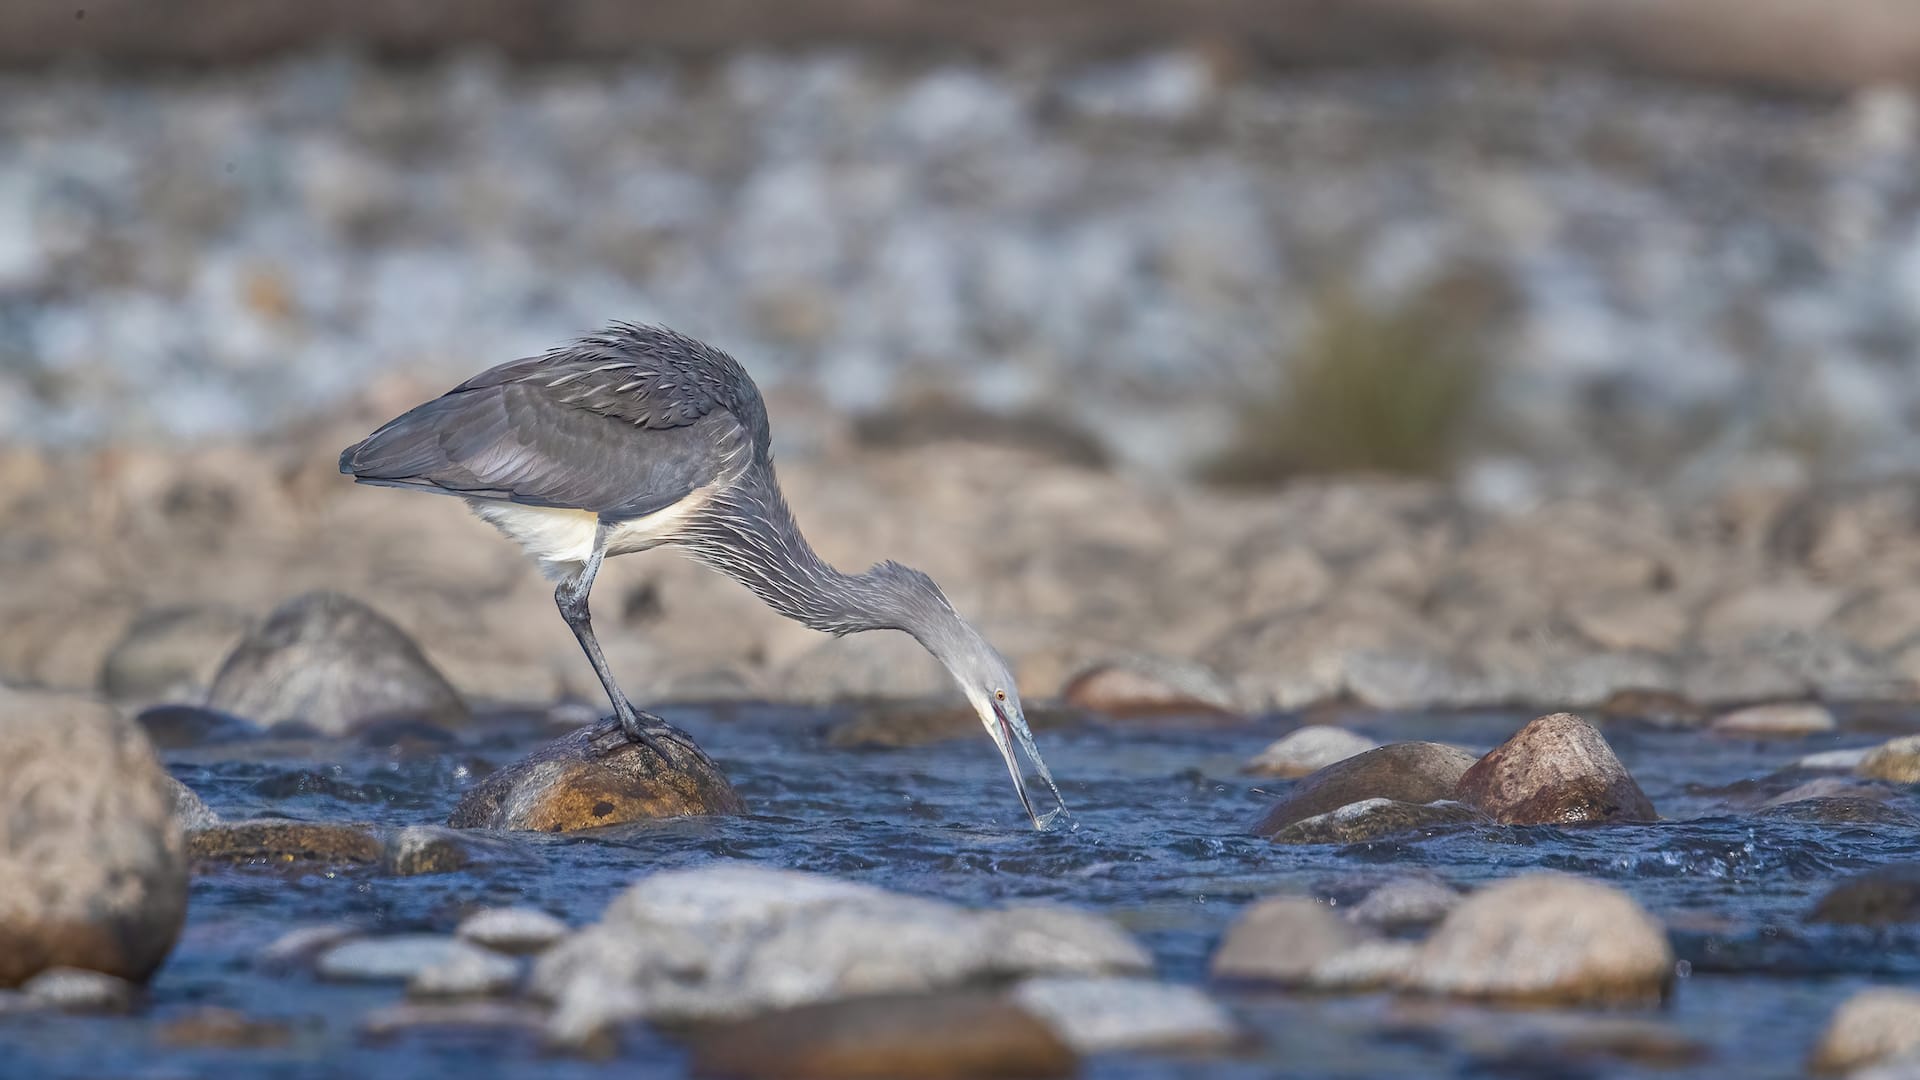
x=1000, y=695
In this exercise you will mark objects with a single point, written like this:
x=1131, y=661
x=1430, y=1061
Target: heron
x=637, y=437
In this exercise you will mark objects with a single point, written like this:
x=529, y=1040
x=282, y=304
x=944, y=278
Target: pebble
x=299, y=946
x=1835, y=760
x=515, y=931
x=1307, y=750
x=1149, y=685
x=1106, y=1015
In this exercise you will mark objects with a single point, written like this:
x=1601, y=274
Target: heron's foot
x=642, y=728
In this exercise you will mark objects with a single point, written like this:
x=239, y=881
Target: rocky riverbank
x=135, y=574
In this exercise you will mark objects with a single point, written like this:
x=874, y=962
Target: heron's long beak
x=1010, y=726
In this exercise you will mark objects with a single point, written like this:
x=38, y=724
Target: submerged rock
x=1308, y=750
x=1870, y=1027
x=1103, y=1016
x=1282, y=940
x=594, y=777
x=1550, y=939
x=93, y=869
x=1413, y=772
x=730, y=940
x=276, y=842
x=334, y=664
x=466, y=973
x=1882, y=896
x=1556, y=770
x=1789, y=719
x=1370, y=819
x=1896, y=761
x=947, y=1036
x=432, y=849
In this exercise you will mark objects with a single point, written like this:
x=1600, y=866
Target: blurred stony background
x=1500, y=375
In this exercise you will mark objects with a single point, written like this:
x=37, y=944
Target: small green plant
x=1372, y=389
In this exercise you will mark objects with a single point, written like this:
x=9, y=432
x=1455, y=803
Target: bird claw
x=644, y=729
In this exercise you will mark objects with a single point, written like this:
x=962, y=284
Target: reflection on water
x=1157, y=847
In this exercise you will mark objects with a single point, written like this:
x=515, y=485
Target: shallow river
x=1158, y=848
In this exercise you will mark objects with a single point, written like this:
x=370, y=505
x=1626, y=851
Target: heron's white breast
x=562, y=540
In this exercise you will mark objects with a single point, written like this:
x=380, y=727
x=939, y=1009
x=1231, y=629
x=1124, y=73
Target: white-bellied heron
x=638, y=437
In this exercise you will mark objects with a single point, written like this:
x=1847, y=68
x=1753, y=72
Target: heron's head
x=986, y=681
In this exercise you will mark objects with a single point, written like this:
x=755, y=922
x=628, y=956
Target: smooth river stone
x=1281, y=940
x=331, y=663
x=1870, y=1027
x=594, y=777
x=1308, y=749
x=944, y=1036
x=1103, y=1016
x=1414, y=772
x=1557, y=770
x=1882, y=896
x=1897, y=761
x=1547, y=939
x=1371, y=819
x=93, y=867
x=277, y=842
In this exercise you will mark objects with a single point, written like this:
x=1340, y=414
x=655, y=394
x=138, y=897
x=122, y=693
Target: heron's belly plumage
x=561, y=540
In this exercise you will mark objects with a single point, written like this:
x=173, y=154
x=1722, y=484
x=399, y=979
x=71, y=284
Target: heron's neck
x=748, y=533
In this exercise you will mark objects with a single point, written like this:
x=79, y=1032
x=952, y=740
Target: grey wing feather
x=562, y=430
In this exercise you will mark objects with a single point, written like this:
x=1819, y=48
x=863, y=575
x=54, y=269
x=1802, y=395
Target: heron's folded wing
x=527, y=441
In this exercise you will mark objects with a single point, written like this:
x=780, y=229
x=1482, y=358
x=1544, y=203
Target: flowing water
x=1158, y=847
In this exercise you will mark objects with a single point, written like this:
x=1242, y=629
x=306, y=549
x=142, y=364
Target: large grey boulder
x=334, y=664
x=732, y=940
x=93, y=867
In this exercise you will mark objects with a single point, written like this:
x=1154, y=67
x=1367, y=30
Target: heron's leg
x=571, y=597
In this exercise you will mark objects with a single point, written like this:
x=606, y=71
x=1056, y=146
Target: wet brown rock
x=594, y=777
x=1897, y=761
x=1870, y=1027
x=1882, y=896
x=936, y=1036
x=1841, y=810
x=1414, y=772
x=1308, y=749
x=1371, y=819
x=1547, y=939
x=1148, y=685
x=334, y=664
x=1281, y=940
x=171, y=651
x=269, y=842
x=93, y=870
x=1556, y=770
